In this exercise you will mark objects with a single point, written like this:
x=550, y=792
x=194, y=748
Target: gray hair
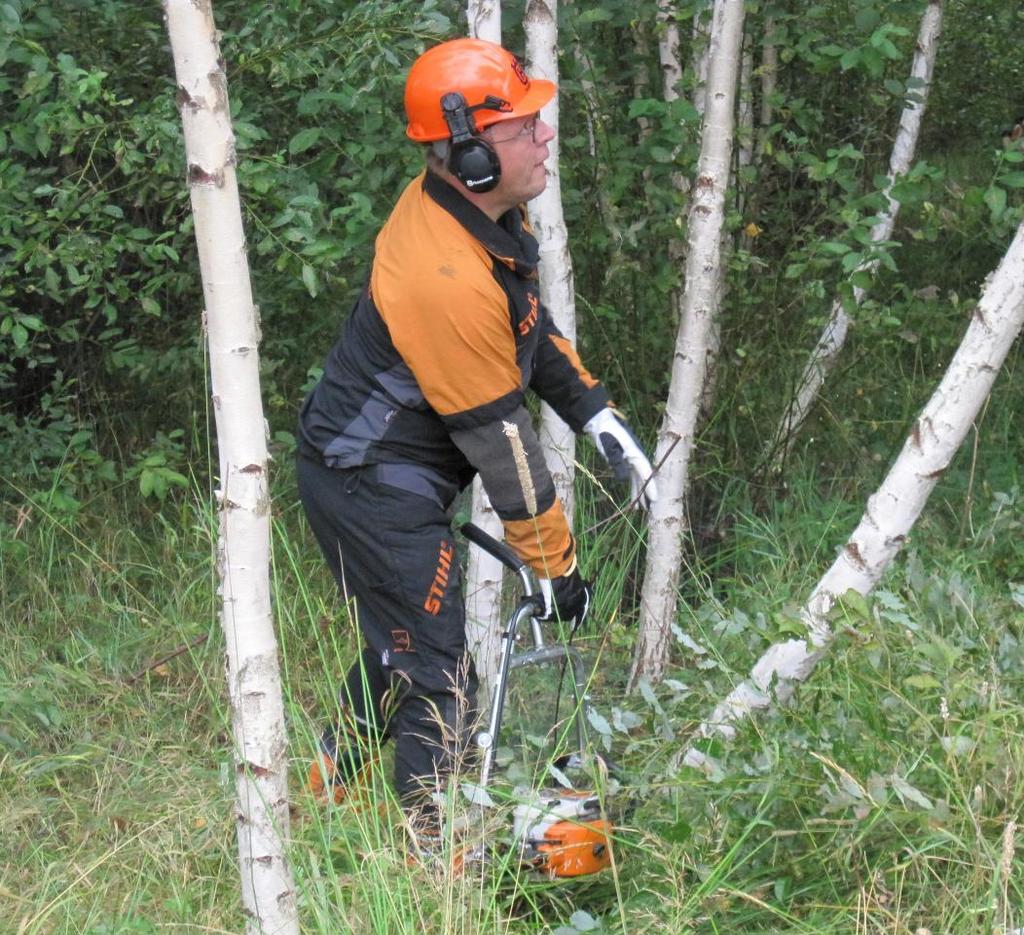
x=440, y=150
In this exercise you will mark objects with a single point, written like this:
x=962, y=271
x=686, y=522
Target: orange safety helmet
x=476, y=69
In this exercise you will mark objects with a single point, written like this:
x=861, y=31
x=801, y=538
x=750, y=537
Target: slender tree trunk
x=243, y=560
x=698, y=309
x=642, y=73
x=769, y=81
x=484, y=573
x=668, y=50
x=704, y=29
x=484, y=18
x=832, y=339
x=894, y=508
x=548, y=221
x=745, y=122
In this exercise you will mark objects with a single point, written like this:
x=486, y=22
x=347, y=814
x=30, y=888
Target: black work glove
x=566, y=598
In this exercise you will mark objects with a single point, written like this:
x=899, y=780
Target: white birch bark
x=253, y=677
x=833, y=337
x=642, y=73
x=484, y=573
x=706, y=30
x=893, y=509
x=668, y=50
x=484, y=18
x=698, y=309
x=548, y=221
x=745, y=114
x=769, y=81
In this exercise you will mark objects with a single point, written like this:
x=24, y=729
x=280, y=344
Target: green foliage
x=100, y=307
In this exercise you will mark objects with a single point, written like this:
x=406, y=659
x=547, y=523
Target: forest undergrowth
x=883, y=799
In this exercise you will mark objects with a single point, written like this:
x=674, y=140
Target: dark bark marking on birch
x=979, y=314
x=219, y=82
x=252, y=469
x=853, y=551
x=260, y=772
x=197, y=175
x=934, y=475
x=915, y=435
x=705, y=181
x=183, y=99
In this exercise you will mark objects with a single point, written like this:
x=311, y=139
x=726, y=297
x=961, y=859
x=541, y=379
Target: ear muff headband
x=472, y=160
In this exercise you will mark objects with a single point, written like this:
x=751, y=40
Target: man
x=424, y=390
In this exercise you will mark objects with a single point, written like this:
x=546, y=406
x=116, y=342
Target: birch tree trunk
x=894, y=508
x=484, y=17
x=769, y=81
x=668, y=50
x=548, y=221
x=243, y=559
x=698, y=309
x=484, y=573
x=832, y=339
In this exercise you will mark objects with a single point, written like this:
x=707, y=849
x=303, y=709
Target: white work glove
x=620, y=448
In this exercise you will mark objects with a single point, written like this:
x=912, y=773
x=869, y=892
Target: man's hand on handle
x=620, y=448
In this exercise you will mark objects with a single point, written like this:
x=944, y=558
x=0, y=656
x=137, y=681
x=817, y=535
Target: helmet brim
x=538, y=94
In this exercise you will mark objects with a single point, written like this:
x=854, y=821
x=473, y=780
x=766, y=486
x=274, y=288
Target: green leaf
x=150, y=306
x=923, y=682
x=599, y=722
x=303, y=140
x=584, y=921
x=855, y=604
x=1012, y=180
x=19, y=335
x=834, y=248
x=909, y=794
x=679, y=832
x=886, y=47
x=309, y=278
x=995, y=198
x=867, y=19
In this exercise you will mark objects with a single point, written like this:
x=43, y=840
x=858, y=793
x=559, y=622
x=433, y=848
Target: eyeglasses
x=527, y=129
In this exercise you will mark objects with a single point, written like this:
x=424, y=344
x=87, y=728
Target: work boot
x=326, y=784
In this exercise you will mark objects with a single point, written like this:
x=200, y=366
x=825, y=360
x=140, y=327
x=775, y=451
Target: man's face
x=522, y=147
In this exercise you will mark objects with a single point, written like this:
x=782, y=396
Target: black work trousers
x=392, y=552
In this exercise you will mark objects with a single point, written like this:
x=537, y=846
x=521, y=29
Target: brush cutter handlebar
x=507, y=556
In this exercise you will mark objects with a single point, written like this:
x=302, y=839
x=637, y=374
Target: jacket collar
x=507, y=240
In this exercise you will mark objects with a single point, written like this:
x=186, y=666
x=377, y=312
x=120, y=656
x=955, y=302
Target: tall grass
x=885, y=798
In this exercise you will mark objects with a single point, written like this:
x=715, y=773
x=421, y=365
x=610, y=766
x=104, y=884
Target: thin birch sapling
x=830, y=343
x=243, y=551
x=698, y=309
x=892, y=510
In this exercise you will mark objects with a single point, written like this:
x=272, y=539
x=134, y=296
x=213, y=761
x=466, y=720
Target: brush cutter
x=563, y=832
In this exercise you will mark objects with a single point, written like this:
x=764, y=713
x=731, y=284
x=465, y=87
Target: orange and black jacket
x=429, y=376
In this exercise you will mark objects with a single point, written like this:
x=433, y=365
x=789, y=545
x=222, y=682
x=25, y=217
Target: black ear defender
x=472, y=160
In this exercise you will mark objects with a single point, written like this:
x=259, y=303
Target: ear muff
x=472, y=160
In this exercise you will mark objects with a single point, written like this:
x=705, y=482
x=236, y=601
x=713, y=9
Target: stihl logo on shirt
x=432, y=605
x=530, y=320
